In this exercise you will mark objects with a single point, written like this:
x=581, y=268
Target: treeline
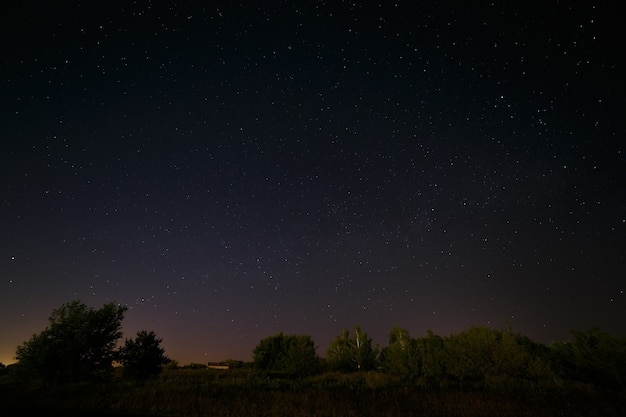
x=82, y=343
x=478, y=356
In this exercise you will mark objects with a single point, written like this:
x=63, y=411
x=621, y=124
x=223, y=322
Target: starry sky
x=232, y=170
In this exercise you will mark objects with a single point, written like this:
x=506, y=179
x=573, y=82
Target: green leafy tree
x=481, y=354
x=291, y=354
x=469, y=353
x=78, y=344
x=402, y=356
x=592, y=356
x=352, y=352
x=142, y=357
x=432, y=350
x=509, y=357
x=419, y=359
x=340, y=352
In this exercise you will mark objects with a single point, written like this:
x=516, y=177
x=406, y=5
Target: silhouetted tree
x=142, y=357
x=79, y=344
x=291, y=354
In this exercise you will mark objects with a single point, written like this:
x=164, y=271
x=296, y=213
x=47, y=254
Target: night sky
x=230, y=171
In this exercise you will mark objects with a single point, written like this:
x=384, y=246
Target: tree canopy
x=79, y=343
x=143, y=357
x=352, y=352
x=291, y=354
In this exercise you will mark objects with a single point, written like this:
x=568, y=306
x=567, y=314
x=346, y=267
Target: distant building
x=217, y=366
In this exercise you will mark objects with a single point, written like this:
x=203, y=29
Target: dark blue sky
x=229, y=171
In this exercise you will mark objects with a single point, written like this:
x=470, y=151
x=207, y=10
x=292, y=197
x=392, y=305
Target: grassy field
x=244, y=392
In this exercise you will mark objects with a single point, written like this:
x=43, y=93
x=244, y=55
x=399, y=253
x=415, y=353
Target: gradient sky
x=229, y=171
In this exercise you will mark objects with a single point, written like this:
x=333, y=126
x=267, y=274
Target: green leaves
x=593, y=356
x=352, y=352
x=291, y=354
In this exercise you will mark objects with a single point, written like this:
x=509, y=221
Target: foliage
x=592, y=356
x=79, y=344
x=143, y=357
x=485, y=355
x=352, y=352
x=470, y=354
x=431, y=349
x=420, y=359
x=479, y=355
x=291, y=354
x=403, y=355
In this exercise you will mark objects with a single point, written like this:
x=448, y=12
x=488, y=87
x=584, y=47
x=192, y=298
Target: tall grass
x=244, y=392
